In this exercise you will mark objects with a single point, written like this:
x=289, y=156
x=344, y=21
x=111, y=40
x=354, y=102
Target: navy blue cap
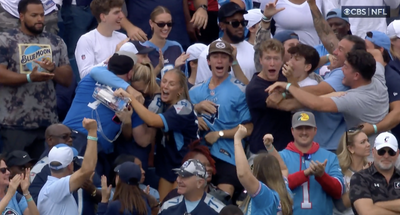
x=229, y=9
x=283, y=36
x=129, y=173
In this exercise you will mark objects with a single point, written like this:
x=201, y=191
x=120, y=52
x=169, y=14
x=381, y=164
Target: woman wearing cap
x=352, y=152
x=393, y=31
x=194, y=52
x=266, y=185
x=177, y=125
x=13, y=202
x=254, y=17
x=128, y=197
x=161, y=24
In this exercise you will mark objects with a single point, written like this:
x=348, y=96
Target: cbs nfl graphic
x=29, y=53
x=366, y=11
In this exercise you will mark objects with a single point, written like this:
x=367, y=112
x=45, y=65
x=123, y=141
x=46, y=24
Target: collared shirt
x=371, y=184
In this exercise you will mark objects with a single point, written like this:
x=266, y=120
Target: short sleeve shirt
x=30, y=105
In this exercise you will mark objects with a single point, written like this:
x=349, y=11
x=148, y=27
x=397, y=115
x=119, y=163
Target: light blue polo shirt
x=56, y=199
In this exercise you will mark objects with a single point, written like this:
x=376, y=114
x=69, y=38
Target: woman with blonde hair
x=352, y=154
x=266, y=185
x=176, y=123
x=393, y=32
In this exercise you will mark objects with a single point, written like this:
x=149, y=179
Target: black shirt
x=371, y=184
x=266, y=120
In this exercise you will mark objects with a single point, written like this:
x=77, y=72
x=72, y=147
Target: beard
x=234, y=38
x=33, y=29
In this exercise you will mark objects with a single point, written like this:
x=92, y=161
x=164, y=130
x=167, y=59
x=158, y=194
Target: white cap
x=195, y=50
x=386, y=139
x=63, y=155
x=254, y=16
x=393, y=30
x=129, y=47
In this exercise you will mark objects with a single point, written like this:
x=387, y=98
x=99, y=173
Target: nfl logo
x=83, y=57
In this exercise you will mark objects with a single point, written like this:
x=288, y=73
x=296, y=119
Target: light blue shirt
x=191, y=205
x=322, y=52
x=14, y=207
x=56, y=199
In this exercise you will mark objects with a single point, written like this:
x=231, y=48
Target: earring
x=179, y=95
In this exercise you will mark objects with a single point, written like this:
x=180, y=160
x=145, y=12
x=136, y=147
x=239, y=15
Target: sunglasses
x=236, y=24
x=382, y=152
x=163, y=24
x=3, y=170
x=352, y=131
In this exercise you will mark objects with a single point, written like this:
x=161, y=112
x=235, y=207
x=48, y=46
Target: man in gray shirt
x=366, y=101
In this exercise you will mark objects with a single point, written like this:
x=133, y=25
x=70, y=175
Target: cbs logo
x=355, y=12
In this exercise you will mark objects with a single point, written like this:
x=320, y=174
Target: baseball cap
x=336, y=13
x=63, y=154
x=195, y=51
x=303, y=118
x=285, y=35
x=386, y=139
x=122, y=62
x=254, y=16
x=18, y=158
x=393, y=30
x=380, y=39
x=136, y=47
x=191, y=168
x=229, y=9
x=220, y=47
x=129, y=173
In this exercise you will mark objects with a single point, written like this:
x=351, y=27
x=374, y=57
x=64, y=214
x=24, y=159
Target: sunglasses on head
x=3, y=170
x=236, y=24
x=382, y=152
x=163, y=24
x=352, y=131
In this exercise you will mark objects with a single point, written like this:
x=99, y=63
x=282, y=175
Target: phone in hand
x=116, y=119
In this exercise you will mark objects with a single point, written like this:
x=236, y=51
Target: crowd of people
x=198, y=107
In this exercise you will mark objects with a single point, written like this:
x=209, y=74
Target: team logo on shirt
x=396, y=185
x=10, y=211
x=303, y=117
x=83, y=57
x=29, y=53
x=211, y=117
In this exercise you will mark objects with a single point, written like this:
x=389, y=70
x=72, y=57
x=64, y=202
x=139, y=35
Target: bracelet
x=265, y=19
x=270, y=150
x=375, y=128
x=28, y=78
x=287, y=86
x=94, y=193
x=284, y=95
x=327, y=57
x=235, y=63
x=92, y=138
x=29, y=200
x=26, y=194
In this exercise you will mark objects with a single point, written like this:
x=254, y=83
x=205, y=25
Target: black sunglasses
x=3, y=170
x=382, y=152
x=352, y=131
x=163, y=24
x=236, y=24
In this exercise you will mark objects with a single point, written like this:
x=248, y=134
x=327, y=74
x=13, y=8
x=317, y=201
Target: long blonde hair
x=182, y=83
x=271, y=175
x=344, y=156
x=144, y=72
x=394, y=54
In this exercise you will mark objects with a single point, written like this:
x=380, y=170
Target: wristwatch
x=205, y=7
x=221, y=133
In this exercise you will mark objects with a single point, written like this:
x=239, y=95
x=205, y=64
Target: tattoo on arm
x=325, y=33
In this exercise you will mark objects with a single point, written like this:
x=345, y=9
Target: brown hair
x=144, y=72
x=272, y=45
x=99, y=7
x=182, y=82
x=271, y=176
x=309, y=54
x=157, y=11
x=132, y=198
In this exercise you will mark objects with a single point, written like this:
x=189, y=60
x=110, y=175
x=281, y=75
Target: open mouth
x=273, y=71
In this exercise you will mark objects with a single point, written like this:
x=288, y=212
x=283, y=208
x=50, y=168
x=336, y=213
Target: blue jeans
x=78, y=20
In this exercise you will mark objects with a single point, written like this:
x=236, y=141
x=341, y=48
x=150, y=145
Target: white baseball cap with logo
x=393, y=30
x=62, y=155
x=386, y=139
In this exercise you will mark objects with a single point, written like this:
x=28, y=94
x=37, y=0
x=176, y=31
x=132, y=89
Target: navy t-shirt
x=139, y=14
x=266, y=120
x=393, y=84
x=180, y=129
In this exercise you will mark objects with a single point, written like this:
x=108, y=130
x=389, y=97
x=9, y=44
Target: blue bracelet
x=284, y=95
x=92, y=138
x=375, y=128
x=287, y=86
x=28, y=78
x=29, y=200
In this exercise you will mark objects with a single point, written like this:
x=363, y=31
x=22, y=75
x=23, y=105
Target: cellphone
x=116, y=119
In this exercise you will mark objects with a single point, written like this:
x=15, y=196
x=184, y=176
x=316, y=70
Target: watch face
x=221, y=133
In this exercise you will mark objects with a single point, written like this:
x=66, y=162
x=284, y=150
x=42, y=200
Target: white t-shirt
x=307, y=82
x=93, y=49
x=298, y=18
x=11, y=6
x=245, y=53
x=55, y=197
x=360, y=26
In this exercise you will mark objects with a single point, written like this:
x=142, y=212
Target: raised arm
x=89, y=163
x=268, y=139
